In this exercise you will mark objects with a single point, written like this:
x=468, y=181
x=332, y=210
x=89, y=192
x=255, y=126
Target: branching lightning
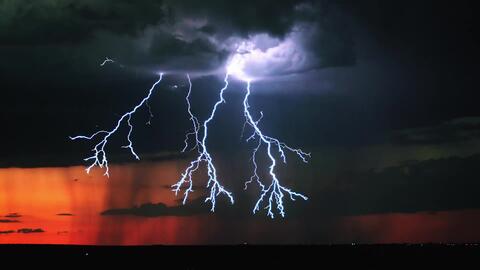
x=213, y=184
x=99, y=156
x=274, y=192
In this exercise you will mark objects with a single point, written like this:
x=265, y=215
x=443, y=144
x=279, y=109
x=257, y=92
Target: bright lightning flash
x=203, y=155
x=99, y=156
x=275, y=192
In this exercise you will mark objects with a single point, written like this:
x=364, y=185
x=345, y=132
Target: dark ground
x=224, y=257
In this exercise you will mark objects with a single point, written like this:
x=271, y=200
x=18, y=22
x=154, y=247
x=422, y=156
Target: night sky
x=382, y=93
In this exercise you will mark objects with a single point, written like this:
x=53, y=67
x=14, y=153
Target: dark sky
x=372, y=72
x=384, y=94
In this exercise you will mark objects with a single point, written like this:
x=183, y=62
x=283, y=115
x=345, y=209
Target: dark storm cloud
x=159, y=209
x=24, y=22
x=170, y=52
x=456, y=130
x=429, y=185
x=65, y=214
x=200, y=36
x=13, y=215
x=398, y=65
x=29, y=230
x=191, y=208
x=194, y=35
x=241, y=17
x=8, y=221
x=182, y=36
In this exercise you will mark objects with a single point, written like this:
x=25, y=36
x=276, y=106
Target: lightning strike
x=193, y=119
x=99, y=156
x=107, y=60
x=274, y=192
x=213, y=184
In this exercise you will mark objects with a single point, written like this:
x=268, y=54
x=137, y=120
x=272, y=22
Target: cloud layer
x=183, y=36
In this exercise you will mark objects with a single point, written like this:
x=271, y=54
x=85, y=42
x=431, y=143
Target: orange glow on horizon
x=39, y=194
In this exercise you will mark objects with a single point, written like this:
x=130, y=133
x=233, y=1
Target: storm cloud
x=348, y=72
x=24, y=22
x=29, y=230
x=178, y=36
x=455, y=130
x=191, y=207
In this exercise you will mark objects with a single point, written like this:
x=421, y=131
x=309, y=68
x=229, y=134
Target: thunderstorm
x=271, y=193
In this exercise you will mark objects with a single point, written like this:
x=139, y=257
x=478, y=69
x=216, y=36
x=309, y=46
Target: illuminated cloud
x=264, y=56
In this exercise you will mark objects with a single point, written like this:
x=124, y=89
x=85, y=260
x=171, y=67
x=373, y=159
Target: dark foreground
x=194, y=256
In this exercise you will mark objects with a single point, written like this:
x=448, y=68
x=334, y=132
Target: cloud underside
x=40, y=22
x=456, y=130
x=177, y=35
x=193, y=207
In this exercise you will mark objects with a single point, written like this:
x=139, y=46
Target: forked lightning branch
x=272, y=192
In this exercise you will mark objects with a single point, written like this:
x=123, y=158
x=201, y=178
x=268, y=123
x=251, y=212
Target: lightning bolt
x=203, y=155
x=274, y=192
x=193, y=119
x=99, y=156
x=107, y=60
